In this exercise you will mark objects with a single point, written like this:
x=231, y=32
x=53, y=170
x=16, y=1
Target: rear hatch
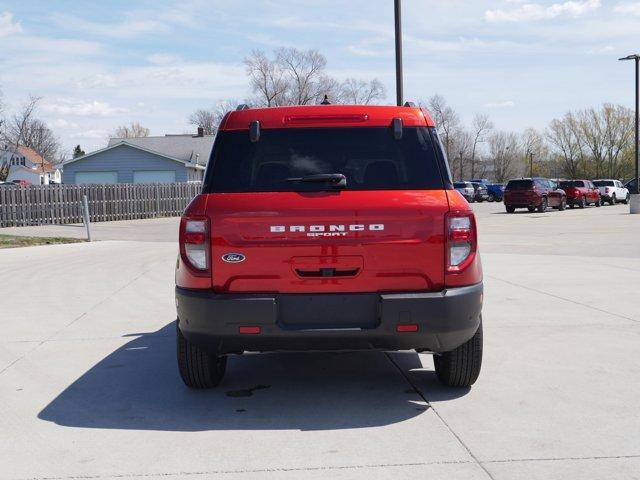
x=519, y=192
x=572, y=188
x=375, y=224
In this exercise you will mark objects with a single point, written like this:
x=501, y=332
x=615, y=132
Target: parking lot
x=89, y=386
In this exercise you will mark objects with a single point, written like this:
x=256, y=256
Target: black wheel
x=572, y=206
x=583, y=202
x=598, y=202
x=563, y=204
x=510, y=209
x=626, y=199
x=543, y=205
x=613, y=200
x=461, y=367
x=491, y=198
x=198, y=368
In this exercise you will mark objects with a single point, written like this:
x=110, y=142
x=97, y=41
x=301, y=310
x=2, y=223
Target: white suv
x=612, y=191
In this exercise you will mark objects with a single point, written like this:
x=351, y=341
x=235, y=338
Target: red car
x=581, y=193
x=328, y=227
x=533, y=194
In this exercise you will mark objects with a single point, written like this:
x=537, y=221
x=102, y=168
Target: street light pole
x=398, y=25
x=635, y=198
x=530, y=163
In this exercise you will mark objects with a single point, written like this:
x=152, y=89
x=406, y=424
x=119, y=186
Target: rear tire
x=598, y=202
x=543, y=205
x=198, y=368
x=510, y=209
x=460, y=367
x=613, y=200
x=492, y=198
x=626, y=199
x=531, y=209
x=583, y=202
x=563, y=204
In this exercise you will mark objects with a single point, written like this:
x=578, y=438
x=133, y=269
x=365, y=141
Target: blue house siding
x=124, y=160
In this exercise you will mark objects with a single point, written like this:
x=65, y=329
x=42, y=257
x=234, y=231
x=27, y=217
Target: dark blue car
x=496, y=191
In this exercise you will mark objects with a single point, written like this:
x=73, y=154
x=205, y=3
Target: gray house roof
x=188, y=148
x=120, y=141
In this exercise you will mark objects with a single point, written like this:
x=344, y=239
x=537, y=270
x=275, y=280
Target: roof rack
x=242, y=106
x=409, y=104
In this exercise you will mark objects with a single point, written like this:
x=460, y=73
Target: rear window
x=572, y=184
x=369, y=158
x=604, y=183
x=519, y=184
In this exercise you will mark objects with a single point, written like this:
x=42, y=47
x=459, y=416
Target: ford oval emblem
x=233, y=257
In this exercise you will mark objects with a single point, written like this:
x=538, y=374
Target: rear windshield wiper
x=335, y=180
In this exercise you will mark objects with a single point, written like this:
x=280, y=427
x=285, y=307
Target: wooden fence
x=57, y=204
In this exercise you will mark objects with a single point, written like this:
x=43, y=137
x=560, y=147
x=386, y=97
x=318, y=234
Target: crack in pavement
x=575, y=302
x=82, y=315
x=422, y=395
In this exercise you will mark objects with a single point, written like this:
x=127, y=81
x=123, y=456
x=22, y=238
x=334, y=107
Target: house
x=163, y=159
x=27, y=165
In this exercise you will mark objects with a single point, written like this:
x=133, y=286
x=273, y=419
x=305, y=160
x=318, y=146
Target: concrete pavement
x=89, y=387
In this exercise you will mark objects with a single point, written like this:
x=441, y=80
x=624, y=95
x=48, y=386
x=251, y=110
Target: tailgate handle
x=327, y=272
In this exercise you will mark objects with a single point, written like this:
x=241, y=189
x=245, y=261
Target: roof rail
x=409, y=104
x=242, y=106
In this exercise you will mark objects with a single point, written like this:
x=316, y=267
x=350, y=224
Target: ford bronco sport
x=328, y=228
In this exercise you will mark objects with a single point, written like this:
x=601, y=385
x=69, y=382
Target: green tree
x=78, y=152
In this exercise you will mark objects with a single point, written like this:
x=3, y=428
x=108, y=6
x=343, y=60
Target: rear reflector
x=253, y=330
x=407, y=327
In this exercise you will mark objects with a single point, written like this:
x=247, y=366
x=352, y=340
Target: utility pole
x=530, y=163
x=398, y=25
x=461, y=172
x=635, y=198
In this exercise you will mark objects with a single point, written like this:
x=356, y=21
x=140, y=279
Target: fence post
x=87, y=223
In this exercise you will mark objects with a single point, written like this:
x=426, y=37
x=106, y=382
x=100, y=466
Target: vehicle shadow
x=138, y=387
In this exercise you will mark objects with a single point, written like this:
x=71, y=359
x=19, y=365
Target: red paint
x=318, y=116
x=249, y=330
x=407, y=328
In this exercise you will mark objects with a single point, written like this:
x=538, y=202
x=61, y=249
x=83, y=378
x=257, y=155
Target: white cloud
x=536, y=11
x=7, y=25
x=162, y=59
x=63, y=124
x=94, y=108
x=97, y=133
x=506, y=104
x=628, y=8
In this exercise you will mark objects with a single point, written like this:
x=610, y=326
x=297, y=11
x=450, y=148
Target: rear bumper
x=357, y=321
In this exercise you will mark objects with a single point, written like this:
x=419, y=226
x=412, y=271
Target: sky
x=98, y=65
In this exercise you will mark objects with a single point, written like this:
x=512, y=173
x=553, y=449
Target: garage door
x=154, y=176
x=96, y=177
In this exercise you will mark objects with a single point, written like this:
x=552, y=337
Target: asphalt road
x=89, y=387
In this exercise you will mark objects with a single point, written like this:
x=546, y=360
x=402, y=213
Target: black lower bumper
x=356, y=321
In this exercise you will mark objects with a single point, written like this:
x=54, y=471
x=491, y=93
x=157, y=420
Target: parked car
x=481, y=193
x=612, y=191
x=466, y=189
x=319, y=228
x=22, y=183
x=581, y=193
x=483, y=181
x=496, y=192
x=533, y=194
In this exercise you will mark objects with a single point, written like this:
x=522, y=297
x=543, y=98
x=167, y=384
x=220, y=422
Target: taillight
x=194, y=243
x=606, y=190
x=461, y=240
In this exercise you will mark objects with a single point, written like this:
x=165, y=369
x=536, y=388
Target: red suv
x=328, y=227
x=581, y=193
x=533, y=194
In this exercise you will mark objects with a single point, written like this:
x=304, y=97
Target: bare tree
x=564, y=136
x=25, y=129
x=359, y=92
x=481, y=127
x=266, y=79
x=298, y=77
x=618, y=139
x=133, y=130
x=209, y=120
x=447, y=121
x=504, y=150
